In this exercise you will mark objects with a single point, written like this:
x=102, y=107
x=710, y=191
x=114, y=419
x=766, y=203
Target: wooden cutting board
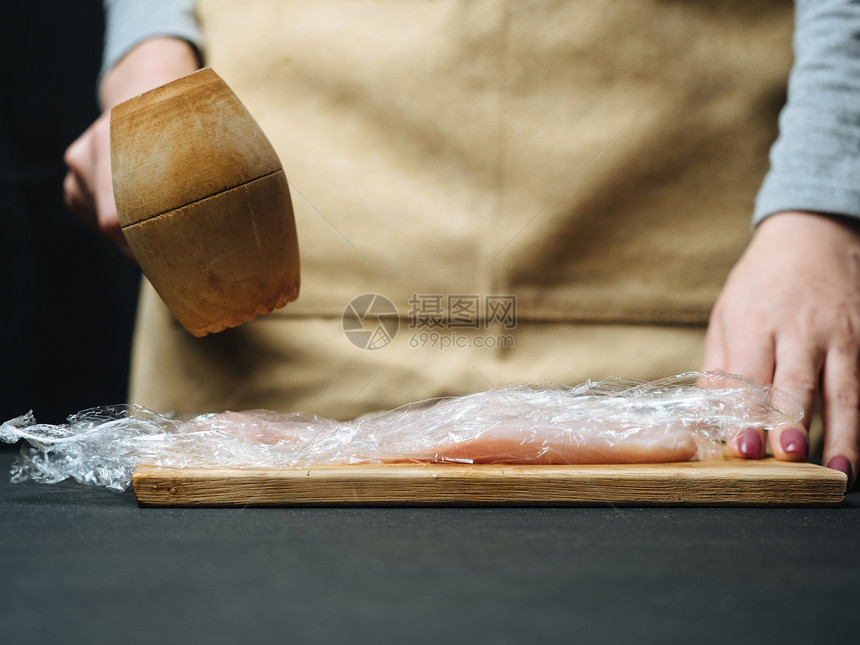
x=724, y=482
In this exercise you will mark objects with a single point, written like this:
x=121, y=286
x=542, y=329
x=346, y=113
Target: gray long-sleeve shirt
x=129, y=22
x=815, y=162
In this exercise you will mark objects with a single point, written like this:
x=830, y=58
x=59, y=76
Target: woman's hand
x=789, y=314
x=88, y=186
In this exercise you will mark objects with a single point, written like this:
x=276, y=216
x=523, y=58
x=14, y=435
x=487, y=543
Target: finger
x=102, y=180
x=715, y=346
x=754, y=359
x=840, y=411
x=797, y=373
x=750, y=354
x=714, y=352
x=103, y=184
x=77, y=199
x=748, y=444
x=88, y=188
x=76, y=185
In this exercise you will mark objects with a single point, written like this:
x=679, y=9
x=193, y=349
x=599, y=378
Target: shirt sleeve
x=129, y=22
x=815, y=162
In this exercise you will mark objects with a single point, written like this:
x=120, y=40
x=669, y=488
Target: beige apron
x=592, y=164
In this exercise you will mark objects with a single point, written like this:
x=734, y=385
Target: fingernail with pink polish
x=841, y=464
x=750, y=444
x=794, y=442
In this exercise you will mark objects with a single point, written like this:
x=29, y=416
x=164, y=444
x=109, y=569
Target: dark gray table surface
x=82, y=564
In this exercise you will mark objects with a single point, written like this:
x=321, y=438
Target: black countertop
x=83, y=564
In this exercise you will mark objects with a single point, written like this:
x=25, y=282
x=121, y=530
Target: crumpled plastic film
x=689, y=416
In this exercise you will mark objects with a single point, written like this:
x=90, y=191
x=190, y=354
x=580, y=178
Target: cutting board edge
x=719, y=483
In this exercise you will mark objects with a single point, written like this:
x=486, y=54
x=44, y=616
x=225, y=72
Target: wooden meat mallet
x=204, y=204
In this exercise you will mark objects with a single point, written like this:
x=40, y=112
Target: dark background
x=67, y=297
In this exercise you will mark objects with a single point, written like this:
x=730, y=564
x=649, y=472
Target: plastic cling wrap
x=689, y=416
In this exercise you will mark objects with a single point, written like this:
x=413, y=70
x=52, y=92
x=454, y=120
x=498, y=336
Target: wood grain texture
x=232, y=275
x=204, y=204
x=710, y=483
x=181, y=143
